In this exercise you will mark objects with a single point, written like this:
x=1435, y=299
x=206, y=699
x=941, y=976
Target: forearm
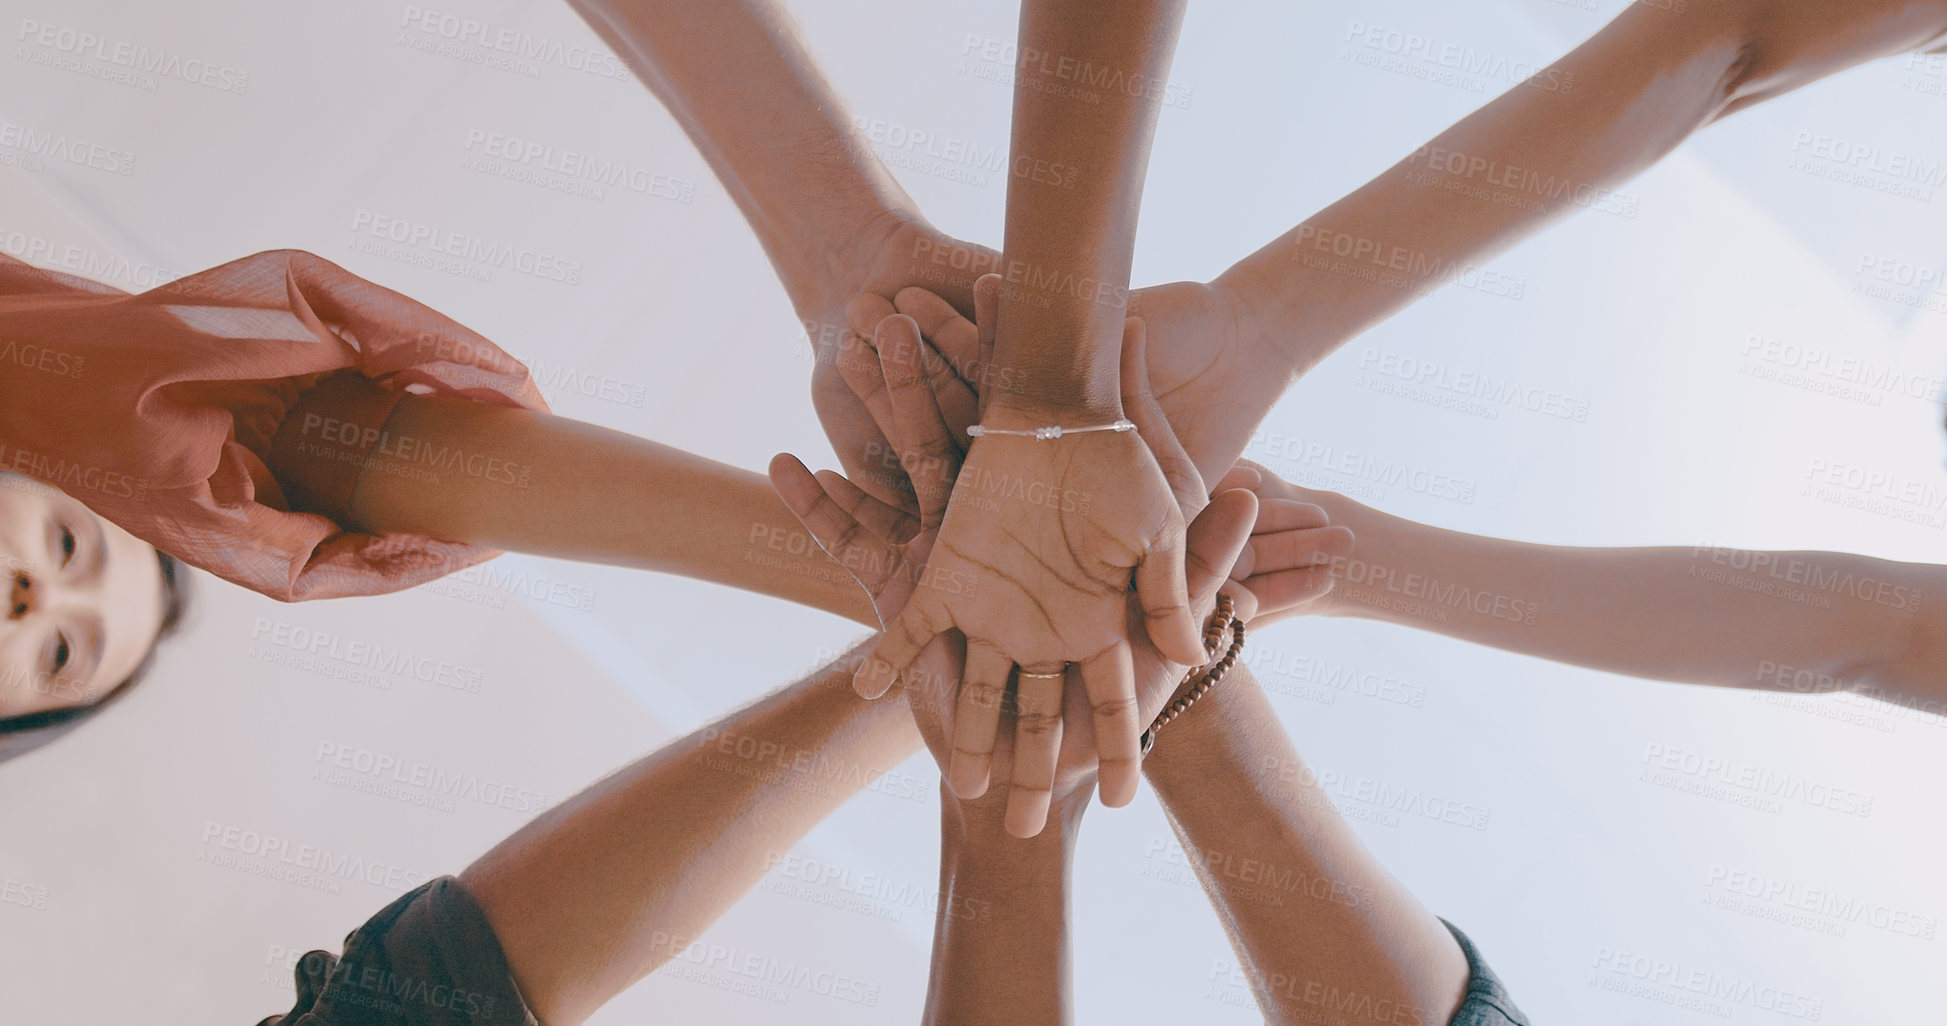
x=736, y=76
x=1000, y=944
x=572, y=490
x=1693, y=614
x=1561, y=140
x=598, y=892
x=1591, y=120
x=1308, y=910
x=1078, y=156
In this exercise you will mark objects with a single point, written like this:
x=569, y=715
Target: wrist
x=1200, y=738
x=1065, y=369
x=980, y=825
x=1274, y=311
x=1376, y=555
x=821, y=279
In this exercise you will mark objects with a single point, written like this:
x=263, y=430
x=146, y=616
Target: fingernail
x=1026, y=815
x=968, y=780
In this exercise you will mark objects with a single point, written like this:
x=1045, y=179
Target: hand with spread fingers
x=1033, y=563
x=907, y=253
x=1047, y=767
x=1286, y=567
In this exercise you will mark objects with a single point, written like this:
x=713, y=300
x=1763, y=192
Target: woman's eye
x=62, y=652
x=67, y=545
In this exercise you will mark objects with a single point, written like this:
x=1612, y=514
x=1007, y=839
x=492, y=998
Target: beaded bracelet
x=1200, y=681
x=1052, y=432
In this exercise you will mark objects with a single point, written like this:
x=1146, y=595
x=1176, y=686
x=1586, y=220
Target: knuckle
x=1115, y=708
x=980, y=694
x=1037, y=725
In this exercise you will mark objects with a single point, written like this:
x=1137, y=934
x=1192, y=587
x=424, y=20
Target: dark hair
x=22, y=734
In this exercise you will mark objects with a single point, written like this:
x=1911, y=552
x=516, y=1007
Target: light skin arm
x=598, y=892
x=1223, y=353
x=1786, y=621
x=1589, y=122
x=571, y=490
x=1310, y=913
x=831, y=218
x=738, y=79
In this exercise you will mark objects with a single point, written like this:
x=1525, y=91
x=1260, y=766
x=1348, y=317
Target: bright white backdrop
x=346, y=113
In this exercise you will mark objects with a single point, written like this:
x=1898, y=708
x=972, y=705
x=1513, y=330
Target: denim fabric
x=1487, y=1002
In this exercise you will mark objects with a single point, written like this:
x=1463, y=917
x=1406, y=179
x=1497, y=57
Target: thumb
x=1214, y=541
x=1165, y=600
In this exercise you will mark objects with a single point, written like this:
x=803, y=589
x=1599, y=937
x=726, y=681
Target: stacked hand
x=892, y=254
x=922, y=404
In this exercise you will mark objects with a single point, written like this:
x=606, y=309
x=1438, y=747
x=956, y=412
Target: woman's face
x=84, y=600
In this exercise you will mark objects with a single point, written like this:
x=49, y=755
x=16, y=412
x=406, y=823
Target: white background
x=1645, y=318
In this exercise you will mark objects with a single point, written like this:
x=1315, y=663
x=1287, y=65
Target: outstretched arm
x=1781, y=621
x=551, y=486
x=1223, y=353
x=831, y=218
x=1589, y=122
x=1000, y=936
x=598, y=892
x=1323, y=917
x=1086, y=99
